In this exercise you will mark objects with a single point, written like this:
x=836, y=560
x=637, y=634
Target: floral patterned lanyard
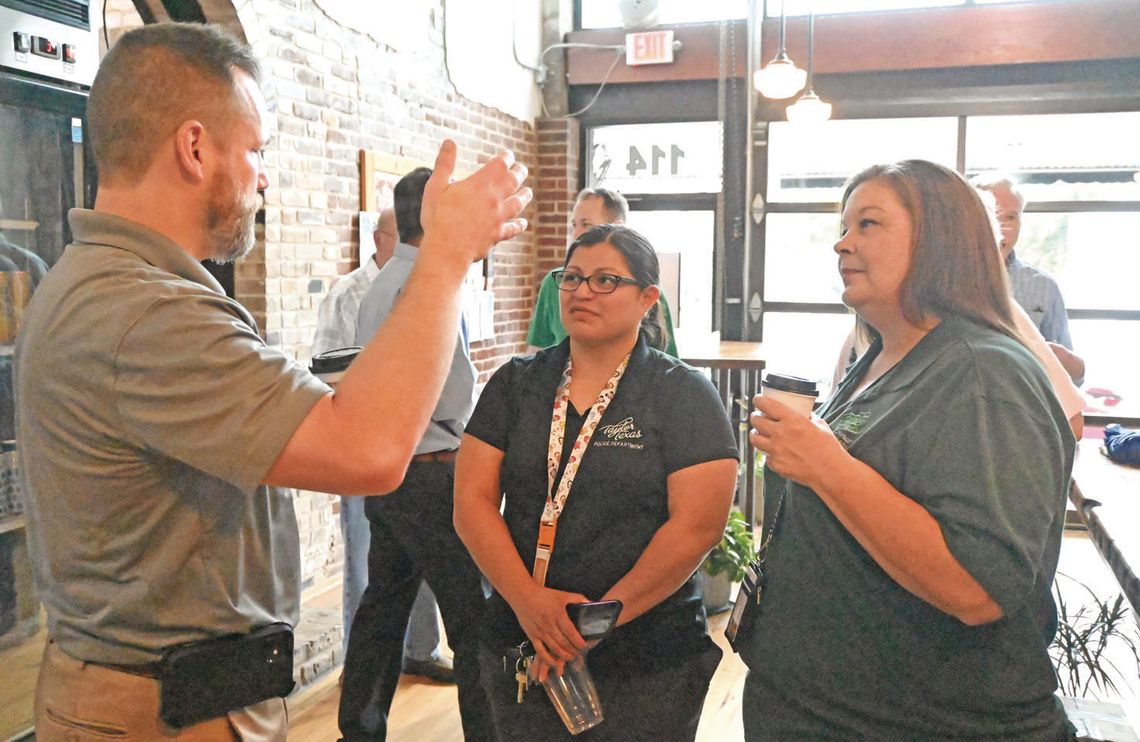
x=556, y=501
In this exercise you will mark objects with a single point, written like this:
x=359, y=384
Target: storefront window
x=1073, y=157
x=811, y=163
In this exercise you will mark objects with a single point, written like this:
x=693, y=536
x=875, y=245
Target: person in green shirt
x=592, y=207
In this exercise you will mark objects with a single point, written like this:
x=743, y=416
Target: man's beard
x=230, y=218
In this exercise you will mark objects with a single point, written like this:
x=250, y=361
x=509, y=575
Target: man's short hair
x=153, y=80
x=990, y=181
x=615, y=204
x=407, y=199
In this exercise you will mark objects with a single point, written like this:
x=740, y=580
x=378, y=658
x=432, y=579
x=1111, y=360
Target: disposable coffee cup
x=330, y=366
x=574, y=696
x=797, y=393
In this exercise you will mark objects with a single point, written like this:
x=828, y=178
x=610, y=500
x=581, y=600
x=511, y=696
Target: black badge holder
x=742, y=621
x=208, y=679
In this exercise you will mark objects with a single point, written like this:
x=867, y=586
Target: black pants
x=660, y=705
x=413, y=539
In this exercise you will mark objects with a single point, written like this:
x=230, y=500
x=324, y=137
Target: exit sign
x=649, y=47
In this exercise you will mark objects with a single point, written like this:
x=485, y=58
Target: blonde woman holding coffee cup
x=616, y=465
x=913, y=525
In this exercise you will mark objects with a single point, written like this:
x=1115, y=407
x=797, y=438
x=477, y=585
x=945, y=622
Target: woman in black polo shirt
x=630, y=455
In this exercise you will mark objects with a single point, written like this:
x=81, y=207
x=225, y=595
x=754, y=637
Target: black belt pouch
x=208, y=679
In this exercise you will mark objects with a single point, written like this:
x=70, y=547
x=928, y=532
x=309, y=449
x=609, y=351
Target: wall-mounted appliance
x=49, y=38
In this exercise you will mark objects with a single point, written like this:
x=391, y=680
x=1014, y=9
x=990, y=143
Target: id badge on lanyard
x=741, y=626
x=556, y=500
x=742, y=620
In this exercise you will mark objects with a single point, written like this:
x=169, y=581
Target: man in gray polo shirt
x=154, y=421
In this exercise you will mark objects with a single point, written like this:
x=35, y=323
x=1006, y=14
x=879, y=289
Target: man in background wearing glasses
x=592, y=207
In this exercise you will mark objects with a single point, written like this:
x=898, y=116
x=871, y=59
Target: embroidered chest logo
x=622, y=434
x=849, y=426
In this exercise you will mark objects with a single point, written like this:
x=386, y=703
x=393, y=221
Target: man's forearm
x=360, y=439
x=1073, y=364
x=391, y=389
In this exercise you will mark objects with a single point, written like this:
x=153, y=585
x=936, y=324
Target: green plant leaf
x=736, y=549
x=1085, y=638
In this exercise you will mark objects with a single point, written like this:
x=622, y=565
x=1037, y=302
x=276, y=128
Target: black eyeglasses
x=599, y=283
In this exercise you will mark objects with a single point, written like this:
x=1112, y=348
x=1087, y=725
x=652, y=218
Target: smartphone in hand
x=596, y=619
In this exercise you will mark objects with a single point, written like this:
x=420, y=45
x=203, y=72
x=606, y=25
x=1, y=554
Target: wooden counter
x=729, y=354
x=1107, y=496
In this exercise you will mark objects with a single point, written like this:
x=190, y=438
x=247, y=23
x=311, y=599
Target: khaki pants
x=79, y=701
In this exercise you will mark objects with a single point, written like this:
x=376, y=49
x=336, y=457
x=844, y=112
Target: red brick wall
x=556, y=184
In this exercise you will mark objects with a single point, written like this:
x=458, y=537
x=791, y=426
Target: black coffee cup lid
x=333, y=360
x=791, y=384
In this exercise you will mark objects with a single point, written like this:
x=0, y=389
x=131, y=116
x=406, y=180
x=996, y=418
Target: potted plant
x=725, y=564
x=1089, y=638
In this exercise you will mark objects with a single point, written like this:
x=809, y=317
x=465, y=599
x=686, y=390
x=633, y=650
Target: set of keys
x=522, y=666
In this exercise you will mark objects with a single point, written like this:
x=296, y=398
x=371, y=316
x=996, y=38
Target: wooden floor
x=19, y=665
x=421, y=711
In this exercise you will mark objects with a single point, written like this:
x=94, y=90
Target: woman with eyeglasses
x=623, y=462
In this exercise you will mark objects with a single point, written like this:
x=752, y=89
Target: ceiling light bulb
x=809, y=109
x=780, y=78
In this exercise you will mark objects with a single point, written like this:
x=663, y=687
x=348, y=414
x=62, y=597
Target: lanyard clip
x=546, y=531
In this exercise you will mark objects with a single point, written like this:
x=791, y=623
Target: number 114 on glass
x=657, y=156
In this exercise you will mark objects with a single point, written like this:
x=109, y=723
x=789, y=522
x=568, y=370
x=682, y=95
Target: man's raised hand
x=469, y=217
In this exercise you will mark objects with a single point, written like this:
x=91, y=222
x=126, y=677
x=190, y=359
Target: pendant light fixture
x=809, y=107
x=780, y=78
